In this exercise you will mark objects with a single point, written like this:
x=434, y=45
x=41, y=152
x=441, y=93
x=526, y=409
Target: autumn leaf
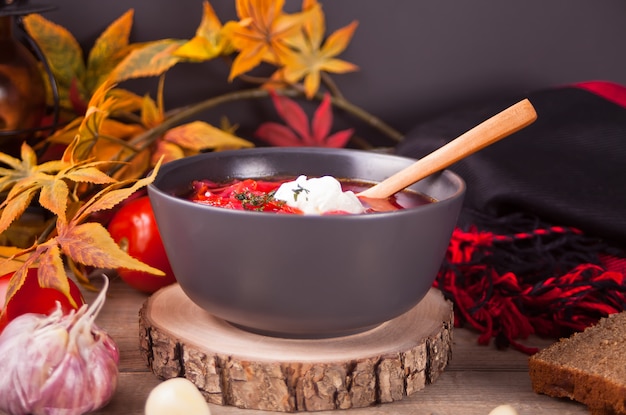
x=62, y=51
x=153, y=59
x=18, y=170
x=297, y=132
x=208, y=43
x=25, y=178
x=91, y=244
x=17, y=206
x=169, y=151
x=108, y=50
x=9, y=262
x=113, y=194
x=55, y=191
x=199, y=136
x=192, y=138
x=76, y=79
x=307, y=57
x=51, y=272
x=16, y=281
x=261, y=33
x=151, y=114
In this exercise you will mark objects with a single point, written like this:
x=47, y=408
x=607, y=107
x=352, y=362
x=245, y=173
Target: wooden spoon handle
x=484, y=134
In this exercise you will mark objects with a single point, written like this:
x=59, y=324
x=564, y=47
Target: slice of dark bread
x=588, y=367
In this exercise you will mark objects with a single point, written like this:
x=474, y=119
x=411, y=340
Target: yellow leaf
x=151, y=114
x=109, y=49
x=67, y=133
x=23, y=232
x=307, y=57
x=198, y=49
x=113, y=194
x=8, y=261
x=199, y=136
x=338, y=41
x=15, y=207
x=28, y=155
x=54, y=197
x=88, y=175
x=126, y=100
x=90, y=244
x=16, y=281
x=135, y=168
x=168, y=151
x=51, y=272
x=10, y=161
x=152, y=59
x=210, y=25
x=62, y=51
x=208, y=42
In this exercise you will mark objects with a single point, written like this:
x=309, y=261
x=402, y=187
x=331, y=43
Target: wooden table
x=478, y=379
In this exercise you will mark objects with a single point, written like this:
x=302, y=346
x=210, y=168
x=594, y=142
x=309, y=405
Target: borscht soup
x=296, y=195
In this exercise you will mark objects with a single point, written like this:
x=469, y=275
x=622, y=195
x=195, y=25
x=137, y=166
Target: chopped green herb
x=296, y=192
x=253, y=201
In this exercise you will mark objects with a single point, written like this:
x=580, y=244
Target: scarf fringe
x=552, y=281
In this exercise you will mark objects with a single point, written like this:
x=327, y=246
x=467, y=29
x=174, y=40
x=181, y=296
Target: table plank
x=478, y=379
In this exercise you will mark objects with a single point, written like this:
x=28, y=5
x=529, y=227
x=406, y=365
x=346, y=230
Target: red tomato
x=134, y=229
x=32, y=298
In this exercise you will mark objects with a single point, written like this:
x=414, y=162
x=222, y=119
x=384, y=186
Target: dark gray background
x=418, y=59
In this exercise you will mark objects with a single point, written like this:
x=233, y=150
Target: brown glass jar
x=22, y=91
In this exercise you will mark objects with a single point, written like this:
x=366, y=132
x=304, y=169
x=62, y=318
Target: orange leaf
x=113, y=128
x=113, y=150
x=338, y=41
x=199, y=135
x=16, y=282
x=152, y=59
x=208, y=42
x=63, y=52
x=14, y=207
x=261, y=34
x=126, y=100
x=54, y=196
x=151, y=114
x=112, y=195
x=135, y=168
x=51, y=272
x=168, y=151
x=9, y=262
x=90, y=244
x=87, y=174
x=307, y=57
x=108, y=50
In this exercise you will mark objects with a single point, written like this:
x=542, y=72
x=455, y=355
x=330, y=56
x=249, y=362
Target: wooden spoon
x=484, y=134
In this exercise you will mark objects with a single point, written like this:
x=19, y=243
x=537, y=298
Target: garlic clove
x=176, y=396
x=503, y=410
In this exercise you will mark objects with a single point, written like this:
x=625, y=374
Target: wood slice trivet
x=235, y=367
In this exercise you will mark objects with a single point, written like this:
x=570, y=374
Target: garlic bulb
x=57, y=364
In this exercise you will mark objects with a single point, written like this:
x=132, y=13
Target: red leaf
x=293, y=115
x=277, y=135
x=322, y=120
x=340, y=138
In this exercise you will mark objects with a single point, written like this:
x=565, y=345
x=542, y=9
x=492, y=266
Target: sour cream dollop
x=318, y=195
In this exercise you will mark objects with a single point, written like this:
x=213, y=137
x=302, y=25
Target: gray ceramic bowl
x=301, y=275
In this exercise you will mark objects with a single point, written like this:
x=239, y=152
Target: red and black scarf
x=539, y=246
